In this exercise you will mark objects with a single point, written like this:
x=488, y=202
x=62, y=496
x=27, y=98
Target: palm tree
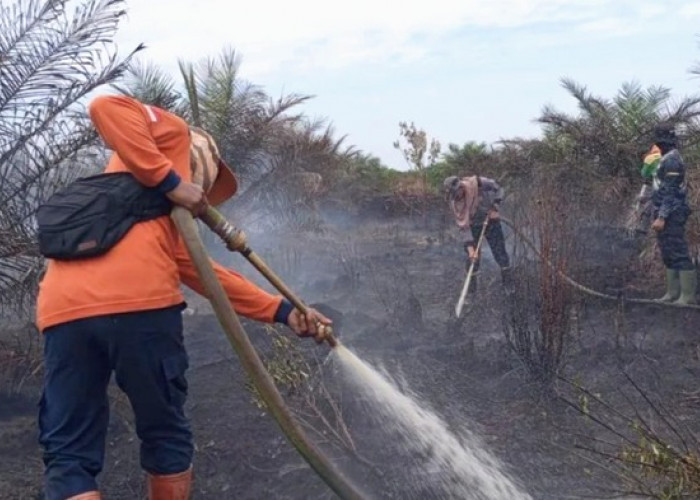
x=261, y=137
x=149, y=84
x=50, y=61
x=241, y=117
x=301, y=149
x=609, y=136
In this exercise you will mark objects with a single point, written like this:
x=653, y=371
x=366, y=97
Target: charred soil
x=396, y=283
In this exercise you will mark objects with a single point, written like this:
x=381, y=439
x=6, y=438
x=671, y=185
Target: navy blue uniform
x=670, y=203
x=146, y=352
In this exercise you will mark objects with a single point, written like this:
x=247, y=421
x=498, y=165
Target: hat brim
x=224, y=187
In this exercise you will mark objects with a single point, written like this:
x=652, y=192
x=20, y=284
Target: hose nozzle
x=330, y=338
x=234, y=238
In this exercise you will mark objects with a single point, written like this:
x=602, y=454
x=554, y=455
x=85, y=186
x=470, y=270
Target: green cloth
x=651, y=164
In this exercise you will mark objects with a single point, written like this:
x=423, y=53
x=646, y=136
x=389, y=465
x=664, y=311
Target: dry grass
x=302, y=380
x=538, y=316
x=645, y=448
x=20, y=358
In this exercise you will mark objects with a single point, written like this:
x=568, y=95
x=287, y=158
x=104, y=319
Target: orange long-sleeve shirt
x=145, y=269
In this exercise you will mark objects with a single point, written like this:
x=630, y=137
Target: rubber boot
x=88, y=495
x=689, y=286
x=673, y=286
x=171, y=486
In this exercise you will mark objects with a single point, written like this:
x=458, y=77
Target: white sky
x=462, y=70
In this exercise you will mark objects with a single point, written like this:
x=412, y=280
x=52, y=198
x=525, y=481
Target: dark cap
x=665, y=134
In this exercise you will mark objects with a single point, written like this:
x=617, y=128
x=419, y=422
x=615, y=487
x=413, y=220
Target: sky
x=462, y=70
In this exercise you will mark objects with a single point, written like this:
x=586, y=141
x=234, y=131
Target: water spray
x=462, y=470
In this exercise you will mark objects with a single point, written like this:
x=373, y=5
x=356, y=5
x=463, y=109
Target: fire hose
x=587, y=290
x=239, y=340
x=236, y=242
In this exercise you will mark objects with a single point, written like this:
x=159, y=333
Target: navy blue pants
x=145, y=350
x=672, y=242
x=495, y=239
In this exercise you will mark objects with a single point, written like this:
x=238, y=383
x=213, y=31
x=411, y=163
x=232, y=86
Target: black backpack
x=92, y=214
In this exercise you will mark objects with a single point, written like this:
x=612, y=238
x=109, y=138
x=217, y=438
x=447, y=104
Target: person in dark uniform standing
x=671, y=212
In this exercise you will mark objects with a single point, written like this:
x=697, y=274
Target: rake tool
x=463, y=295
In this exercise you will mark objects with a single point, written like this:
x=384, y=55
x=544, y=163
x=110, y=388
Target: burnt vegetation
x=377, y=242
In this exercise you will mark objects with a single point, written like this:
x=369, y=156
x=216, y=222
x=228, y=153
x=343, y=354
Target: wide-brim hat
x=209, y=170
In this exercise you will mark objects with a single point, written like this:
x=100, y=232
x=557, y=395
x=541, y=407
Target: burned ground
x=396, y=282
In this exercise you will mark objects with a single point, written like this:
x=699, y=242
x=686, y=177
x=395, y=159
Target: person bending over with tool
x=475, y=203
x=671, y=213
x=120, y=311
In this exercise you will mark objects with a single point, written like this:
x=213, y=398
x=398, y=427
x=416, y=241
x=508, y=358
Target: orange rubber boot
x=171, y=486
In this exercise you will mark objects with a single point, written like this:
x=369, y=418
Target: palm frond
x=50, y=60
x=149, y=84
x=685, y=111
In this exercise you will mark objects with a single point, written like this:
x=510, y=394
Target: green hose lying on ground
x=253, y=365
